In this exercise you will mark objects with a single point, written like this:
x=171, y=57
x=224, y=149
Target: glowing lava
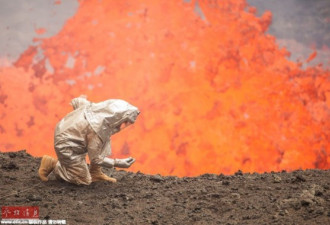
x=216, y=93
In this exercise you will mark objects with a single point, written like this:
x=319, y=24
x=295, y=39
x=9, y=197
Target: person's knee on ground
x=47, y=165
x=73, y=170
x=97, y=174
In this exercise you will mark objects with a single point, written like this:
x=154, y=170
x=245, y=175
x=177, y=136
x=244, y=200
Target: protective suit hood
x=106, y=117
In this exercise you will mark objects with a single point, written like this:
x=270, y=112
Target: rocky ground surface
x=299, y=197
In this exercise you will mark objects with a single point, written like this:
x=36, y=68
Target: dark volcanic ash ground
x=299, y=197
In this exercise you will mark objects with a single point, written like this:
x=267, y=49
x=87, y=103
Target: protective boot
x=47, y=165
x=98, y=175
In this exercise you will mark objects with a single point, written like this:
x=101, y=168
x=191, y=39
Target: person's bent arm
x=97, y=153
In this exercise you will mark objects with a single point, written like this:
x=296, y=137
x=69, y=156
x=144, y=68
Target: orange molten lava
x=216, y=93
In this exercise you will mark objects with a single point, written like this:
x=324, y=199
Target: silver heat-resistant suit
x=87, y=130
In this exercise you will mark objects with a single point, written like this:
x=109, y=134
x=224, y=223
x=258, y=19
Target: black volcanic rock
x=299, y=197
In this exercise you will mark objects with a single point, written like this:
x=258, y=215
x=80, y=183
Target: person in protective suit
x=87, y=130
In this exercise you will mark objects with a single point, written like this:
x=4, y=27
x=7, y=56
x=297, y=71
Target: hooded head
x=109, y=117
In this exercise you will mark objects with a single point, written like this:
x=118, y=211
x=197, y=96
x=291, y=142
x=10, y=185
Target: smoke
x=301, y=26
x=21, y=21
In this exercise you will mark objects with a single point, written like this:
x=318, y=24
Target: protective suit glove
x=124, y=163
